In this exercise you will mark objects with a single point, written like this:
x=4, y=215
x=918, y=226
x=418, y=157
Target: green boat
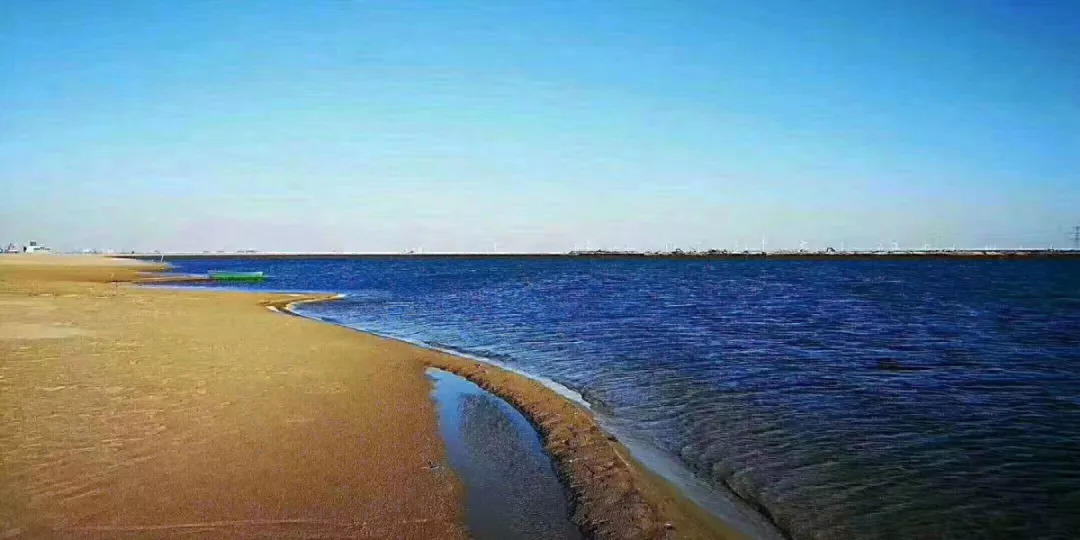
x=226, y=275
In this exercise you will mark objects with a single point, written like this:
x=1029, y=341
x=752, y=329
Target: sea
x=839, y=399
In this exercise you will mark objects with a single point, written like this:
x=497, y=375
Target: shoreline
x=602, y=471
x=181, y=335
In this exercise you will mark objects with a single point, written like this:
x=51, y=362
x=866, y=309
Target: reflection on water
x=510, y=486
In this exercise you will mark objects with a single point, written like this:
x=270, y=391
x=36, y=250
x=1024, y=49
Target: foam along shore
x=164, y=411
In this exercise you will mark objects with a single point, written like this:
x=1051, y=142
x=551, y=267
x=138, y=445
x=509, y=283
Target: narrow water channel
x=511, y=489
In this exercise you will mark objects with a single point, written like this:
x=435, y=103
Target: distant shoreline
x=800, y=256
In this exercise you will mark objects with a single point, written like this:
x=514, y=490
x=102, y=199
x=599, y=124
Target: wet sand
x=615, y=497
x=132, y=411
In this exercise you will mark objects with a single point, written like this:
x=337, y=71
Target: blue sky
x=384, y=126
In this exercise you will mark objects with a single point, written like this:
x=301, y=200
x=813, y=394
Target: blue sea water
x=842, y=399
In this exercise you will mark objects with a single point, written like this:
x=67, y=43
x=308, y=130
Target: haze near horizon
x=539, y=126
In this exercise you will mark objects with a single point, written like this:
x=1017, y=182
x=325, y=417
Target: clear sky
x=389, y=125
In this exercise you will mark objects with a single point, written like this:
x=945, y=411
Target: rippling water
x=844, y=399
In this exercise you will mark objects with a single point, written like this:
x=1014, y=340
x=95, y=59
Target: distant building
x=33, y=247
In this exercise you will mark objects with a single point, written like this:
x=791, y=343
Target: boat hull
x=218, y=275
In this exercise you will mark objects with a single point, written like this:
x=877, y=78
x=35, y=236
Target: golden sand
x=152, y=413
x=144, y=412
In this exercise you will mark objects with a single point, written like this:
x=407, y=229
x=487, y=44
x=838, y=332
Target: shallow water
x=511, y=489
x=844, y=399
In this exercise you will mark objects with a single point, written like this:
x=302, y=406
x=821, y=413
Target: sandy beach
x=139, y=412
